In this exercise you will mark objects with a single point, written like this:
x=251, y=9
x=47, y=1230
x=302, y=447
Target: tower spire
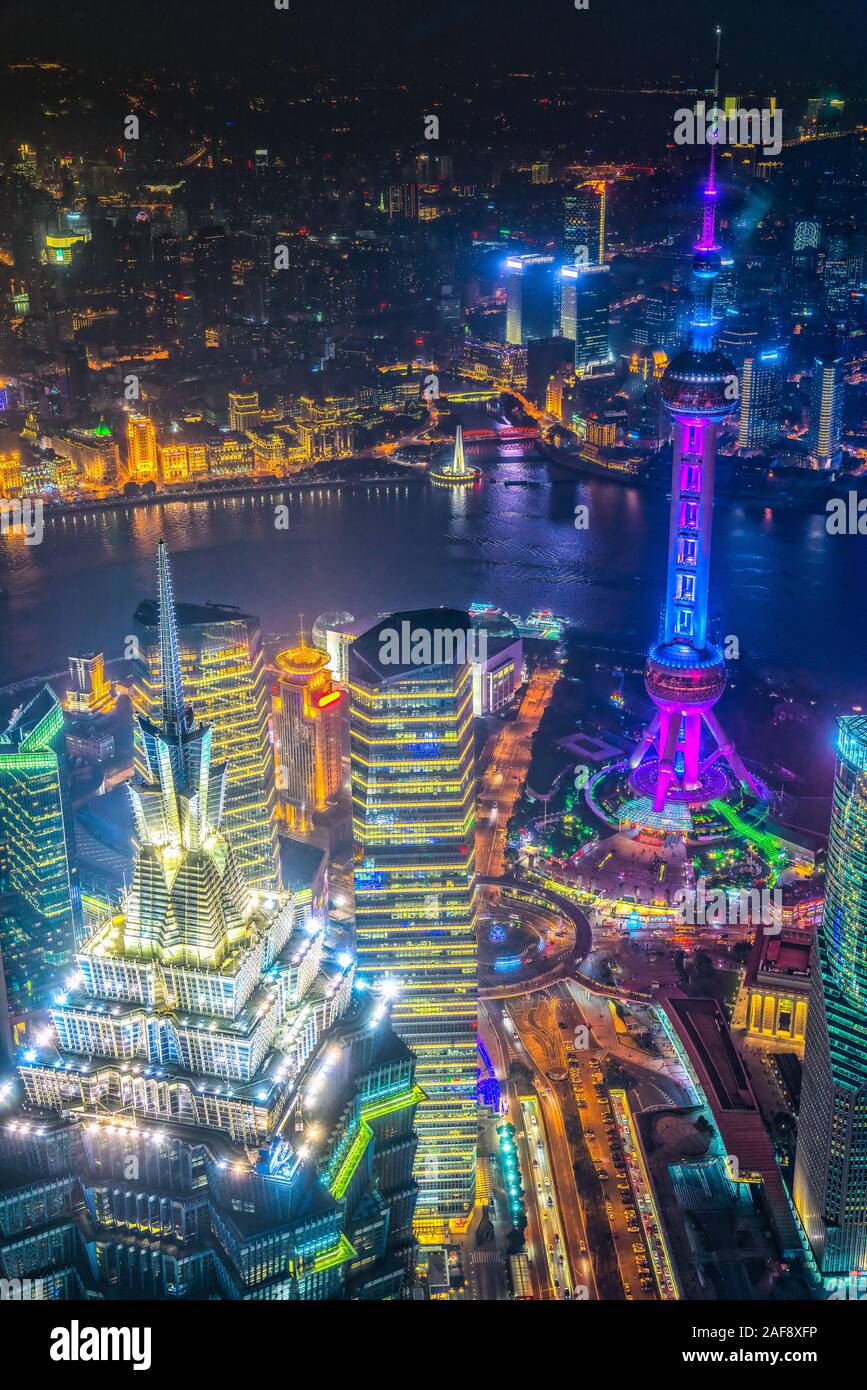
x=707, y=240
x=170, y=654
x=685, y=674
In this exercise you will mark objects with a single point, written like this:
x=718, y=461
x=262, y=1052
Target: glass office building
x=413, y=792
x=40, y=900
x=831, y=1161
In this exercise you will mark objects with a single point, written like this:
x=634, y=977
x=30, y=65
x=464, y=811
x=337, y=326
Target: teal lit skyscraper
x=413, y=795
x=42, y=904
x=831, y=1165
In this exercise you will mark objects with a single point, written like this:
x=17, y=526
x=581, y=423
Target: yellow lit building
x=308, y=713
x=232, y=454
x=326, y=428
x=772, y=1001
x=197, y=458
x=600, y=432
x=59, y=249
x=10, y=473
x=244, y=411
x=141, y=448
x=174, y=461
x=269, y=450
x=89, y=691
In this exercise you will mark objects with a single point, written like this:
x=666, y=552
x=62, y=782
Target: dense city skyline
x=433, y=787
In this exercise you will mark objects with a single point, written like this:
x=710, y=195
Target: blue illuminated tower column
x=685, y=674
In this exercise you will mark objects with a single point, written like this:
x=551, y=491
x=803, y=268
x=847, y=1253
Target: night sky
x=814, y=41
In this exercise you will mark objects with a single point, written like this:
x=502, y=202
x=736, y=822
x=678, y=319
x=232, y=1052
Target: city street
x=504, y=778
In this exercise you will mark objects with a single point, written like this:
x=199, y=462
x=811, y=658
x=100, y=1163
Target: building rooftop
x=784, y=958
x=368, y=655
x=191, y=614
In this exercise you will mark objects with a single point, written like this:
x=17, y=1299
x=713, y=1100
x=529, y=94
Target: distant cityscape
x=455, y=941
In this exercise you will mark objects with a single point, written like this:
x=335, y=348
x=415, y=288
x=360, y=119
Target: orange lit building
x=308, y=713
x=10, y=473
x=89, y=690
x=141, y=448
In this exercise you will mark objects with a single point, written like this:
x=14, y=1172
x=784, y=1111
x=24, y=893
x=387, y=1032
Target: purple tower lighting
x=685, y=673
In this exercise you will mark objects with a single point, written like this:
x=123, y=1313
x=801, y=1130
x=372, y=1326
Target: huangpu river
x=792, y=594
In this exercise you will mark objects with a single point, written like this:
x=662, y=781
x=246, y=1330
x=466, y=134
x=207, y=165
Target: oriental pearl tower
x=685, y=673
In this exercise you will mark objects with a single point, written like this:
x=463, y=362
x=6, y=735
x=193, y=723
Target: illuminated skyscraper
x=413, y=791
x=831, y=1167
x=37, y=849
x=224, y=673
x=584, y=223
x=584, y=303
x=761, y=399
x=308, y=715
x=218, y=1113
x=530, y=298
x=806, y=233
x=141, y=448
x=685, y=674
x=89, y=691
x=826, y=412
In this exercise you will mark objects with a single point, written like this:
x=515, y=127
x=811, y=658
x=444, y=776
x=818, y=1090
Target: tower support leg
x=646, y=741
x=669, y=732
x=691, y=750
x=730, y=753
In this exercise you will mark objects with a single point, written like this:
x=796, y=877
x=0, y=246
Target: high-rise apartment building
x=38, y=872
x=218, y=1114
x=413, y=791
x=831, y=1162
x=308, y=713
x=826, y=412
x=761, y=393
x=224, y=673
